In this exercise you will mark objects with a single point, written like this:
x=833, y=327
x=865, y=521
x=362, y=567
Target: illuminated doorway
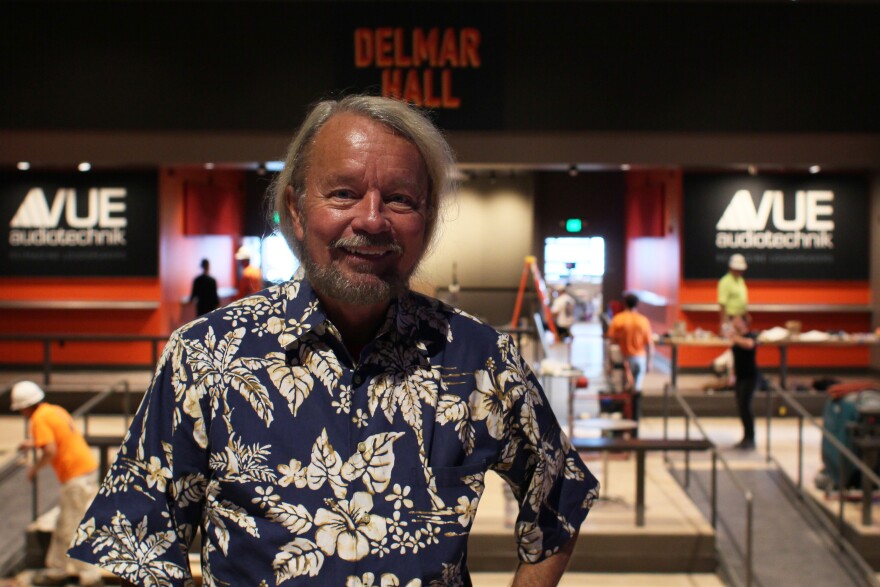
x=580, y=263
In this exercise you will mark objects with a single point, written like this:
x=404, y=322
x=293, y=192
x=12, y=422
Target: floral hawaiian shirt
x=295, y=461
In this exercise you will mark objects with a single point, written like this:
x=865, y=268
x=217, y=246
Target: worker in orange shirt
x=631, y=331
x=58, y=443
x=251, y=278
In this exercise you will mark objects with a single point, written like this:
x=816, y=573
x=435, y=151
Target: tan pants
x=74, y=499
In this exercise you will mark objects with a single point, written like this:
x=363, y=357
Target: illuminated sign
x=417, y=64
x=786, y=226
x=450, y=64
x=79, y=224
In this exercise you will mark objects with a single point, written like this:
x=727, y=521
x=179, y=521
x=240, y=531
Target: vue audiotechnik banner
x=788, y=227
x=79, y=224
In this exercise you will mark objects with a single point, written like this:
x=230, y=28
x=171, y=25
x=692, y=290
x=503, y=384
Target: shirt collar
x=410, y=316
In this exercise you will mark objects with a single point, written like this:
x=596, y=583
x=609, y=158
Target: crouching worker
x=58, y=443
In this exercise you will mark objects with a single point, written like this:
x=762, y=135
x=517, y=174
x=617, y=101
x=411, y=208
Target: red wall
x=653, y=242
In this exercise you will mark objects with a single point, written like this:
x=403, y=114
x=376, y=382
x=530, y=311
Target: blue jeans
x=638, y=365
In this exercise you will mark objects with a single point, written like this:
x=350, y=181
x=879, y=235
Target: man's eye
x=344, y=194
x=401, y=202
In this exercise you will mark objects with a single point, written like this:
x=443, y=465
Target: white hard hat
x=737, y=262
x=242, y=253
x=26, y=394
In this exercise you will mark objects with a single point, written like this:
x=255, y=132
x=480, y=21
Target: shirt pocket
x=448, y=476
x=450, y=491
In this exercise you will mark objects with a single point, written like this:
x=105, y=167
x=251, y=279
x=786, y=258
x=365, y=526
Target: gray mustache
x=363, y=240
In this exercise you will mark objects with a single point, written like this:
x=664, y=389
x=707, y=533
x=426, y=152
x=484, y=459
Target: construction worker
x=58, y=443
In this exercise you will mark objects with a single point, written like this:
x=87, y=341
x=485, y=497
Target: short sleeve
x=552, y=484
x=613, y=327
x=142, y=522
x=41, y=432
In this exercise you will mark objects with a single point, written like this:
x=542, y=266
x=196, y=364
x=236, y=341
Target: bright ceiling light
x=84, y=166
x=815, y=169
x=23, y=165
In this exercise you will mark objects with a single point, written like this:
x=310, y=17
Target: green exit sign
x=574, y=225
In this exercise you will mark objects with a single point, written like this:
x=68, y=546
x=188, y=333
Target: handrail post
x=673, y=360
x=714, y=489
x=34, y=483
x=769, y=398
x=35, y=491
x=126, y=407
x=749, y=515
x=687, y=454
x=867, y=490
x=800, y=482
x=666, y=411
x=154, y=352
x=47, y=360
x=841, y=490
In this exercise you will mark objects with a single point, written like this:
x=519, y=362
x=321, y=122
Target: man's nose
x=371, y=214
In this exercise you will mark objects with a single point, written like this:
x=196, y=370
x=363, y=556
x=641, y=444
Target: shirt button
x=358, y=379
x=362, y=447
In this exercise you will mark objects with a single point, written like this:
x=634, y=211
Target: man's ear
x=295, y=215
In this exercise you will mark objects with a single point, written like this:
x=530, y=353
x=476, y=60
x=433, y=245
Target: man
x=250, y=280
x=745, y=376
x=204, y=291
x=58, y=443
x=632, y=333
x=338, y=428
x=562, y=310
x=733, y=295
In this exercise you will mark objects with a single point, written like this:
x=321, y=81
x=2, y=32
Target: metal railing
x=84, y=411
x=838, y=532
x=47, y=339
x=748, y=498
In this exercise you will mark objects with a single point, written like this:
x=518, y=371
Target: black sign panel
x=449, y=63
x=788, y=227
x=79, y=224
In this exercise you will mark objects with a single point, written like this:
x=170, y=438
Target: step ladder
x=530, y=267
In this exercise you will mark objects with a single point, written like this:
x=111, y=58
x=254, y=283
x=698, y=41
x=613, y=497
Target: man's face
x=362, y=221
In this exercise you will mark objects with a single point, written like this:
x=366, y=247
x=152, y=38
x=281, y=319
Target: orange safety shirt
x=73, y=457
x=251, y=281
x=631, y=331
